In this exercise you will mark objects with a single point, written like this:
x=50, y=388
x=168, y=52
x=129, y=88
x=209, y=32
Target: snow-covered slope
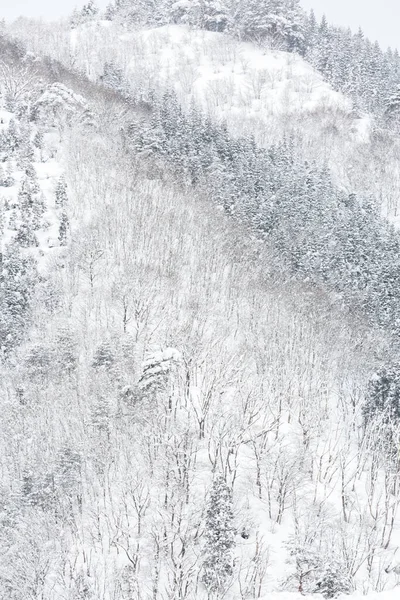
x=257, y=91
x=249, y=87
x=177, y=360
x=47, y=170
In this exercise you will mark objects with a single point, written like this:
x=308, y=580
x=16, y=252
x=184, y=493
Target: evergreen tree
x=9, y=180
x=383, y=396
x=12, y=138
x=113, y=78
x=110, y=12
x=89, y=10
x=333, y=581
x=392, y=107
x=18, y=278
x=61, y=193
x=13, y=219
x=38, y=361
x=31, y=175
x=64, y=228
x=38, y=140
x=215, y=15
x=38, y=490
x=25, y=151
x=30, y=203
x=67, y=351
x=310, y=33
x=220, y=537
x=104, y=357
x=68, y=475
x=26, y=237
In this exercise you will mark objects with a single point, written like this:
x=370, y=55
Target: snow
x=48, y=168
x=5, y=118
x=251, y=89
x=246, y=86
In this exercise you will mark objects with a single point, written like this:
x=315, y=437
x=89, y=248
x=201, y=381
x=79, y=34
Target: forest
x=199, y=316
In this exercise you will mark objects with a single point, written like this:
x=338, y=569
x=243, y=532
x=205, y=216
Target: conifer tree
x=64, y=228
x=26, y=237
x=89, y=10
x=18, y=278
x=219, y=537
x=104, y=357
x=9, y=180
x=30, y=203
x=12, y=138
x=38, y=140
x=383, y=396
x=61, y=193
x=333, y=581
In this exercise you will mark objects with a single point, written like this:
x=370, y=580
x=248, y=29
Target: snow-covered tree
x=18, y=278
x=61, y=193
x=63, y=229
x=104, y=357
x=333, y=580
x=219, y=536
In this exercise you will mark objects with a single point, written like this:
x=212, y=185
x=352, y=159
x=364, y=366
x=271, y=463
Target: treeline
x=350, y=62
x=325, y=235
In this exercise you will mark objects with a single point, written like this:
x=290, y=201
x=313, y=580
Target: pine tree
x=113, y=78
x=383, y=396
x=382, y=409
x=12, y=138
x=25, y=195
x=103, y=357
x=219, y=536
x=333, y=581
x=38, y=361
x=9, y=180
x=38, y=490
x=89, y=10
x=310, y=32
x=38, y=140
x=110, y=12
x=61, y=193
x=18, y=278
x=67, y=351
x=31, y=175
x=26, y=237
x=30, y=203
x=281, y=21
x=392, y=107
x=26, y=153
x=68, y=474
x=13, y=219
x=64, y=228
x=215, y=15
x=294, y=30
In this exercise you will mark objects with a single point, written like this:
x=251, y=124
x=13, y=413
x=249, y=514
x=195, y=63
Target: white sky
x=11, y=9
x=379, y=19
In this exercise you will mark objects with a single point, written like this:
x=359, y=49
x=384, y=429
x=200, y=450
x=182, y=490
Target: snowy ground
x=257, y=92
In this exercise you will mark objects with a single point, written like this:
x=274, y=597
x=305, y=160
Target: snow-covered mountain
x=257, y=90
x=199, y=324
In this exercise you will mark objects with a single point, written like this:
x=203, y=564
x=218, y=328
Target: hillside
x=257, y=90
x=200, y=324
